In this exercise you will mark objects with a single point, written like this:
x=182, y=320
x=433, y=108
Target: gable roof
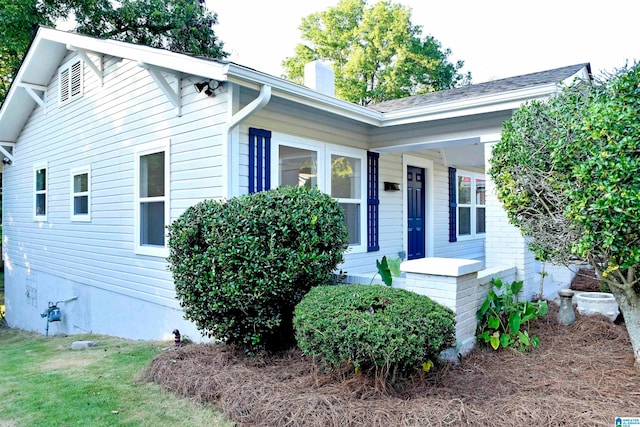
x=50, y=46
x=525, y=81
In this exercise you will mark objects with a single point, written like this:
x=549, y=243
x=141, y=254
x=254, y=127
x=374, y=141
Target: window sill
x=467, y=238
x=155, y=251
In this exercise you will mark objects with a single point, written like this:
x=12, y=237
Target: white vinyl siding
x=40, y=185
x=71, y=81
x=104, y=128
x=151, y=212
x=80, y=190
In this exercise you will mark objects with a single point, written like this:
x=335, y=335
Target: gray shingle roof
x=481, y=89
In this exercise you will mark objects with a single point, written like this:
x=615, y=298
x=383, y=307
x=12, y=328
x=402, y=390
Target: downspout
x=232, y=162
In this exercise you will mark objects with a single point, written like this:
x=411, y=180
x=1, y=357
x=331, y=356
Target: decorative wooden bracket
x=173, y=94
x=31, y=89
x=3, y=150
x=84, y=55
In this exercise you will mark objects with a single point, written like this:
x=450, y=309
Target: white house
x=105, y=143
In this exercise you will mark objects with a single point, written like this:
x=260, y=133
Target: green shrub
x=504, y=321
x=372, y=326
x=241, y=266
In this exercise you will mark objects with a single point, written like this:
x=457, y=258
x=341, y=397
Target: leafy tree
x=376, y=52
x=178, y=25
x=572, y=163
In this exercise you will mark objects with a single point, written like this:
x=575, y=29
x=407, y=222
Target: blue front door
x=415, y=209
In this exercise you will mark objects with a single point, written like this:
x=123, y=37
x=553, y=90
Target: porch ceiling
x=461, y=152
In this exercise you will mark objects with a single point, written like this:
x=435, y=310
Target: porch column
x=453, y=283
x=504, y=244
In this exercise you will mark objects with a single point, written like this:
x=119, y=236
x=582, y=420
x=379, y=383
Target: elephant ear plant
x=503, y=321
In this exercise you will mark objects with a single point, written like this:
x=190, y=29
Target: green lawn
x=44, y=382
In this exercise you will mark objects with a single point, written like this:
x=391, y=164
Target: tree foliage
x=566, y=171
x=178, y=25
x=376, y=52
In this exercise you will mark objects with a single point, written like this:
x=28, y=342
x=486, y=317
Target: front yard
x=582, y=374
x=44, y=382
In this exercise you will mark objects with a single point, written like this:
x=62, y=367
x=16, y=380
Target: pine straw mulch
x=582, y=374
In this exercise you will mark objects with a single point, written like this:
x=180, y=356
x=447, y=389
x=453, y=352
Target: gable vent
x=70, y=77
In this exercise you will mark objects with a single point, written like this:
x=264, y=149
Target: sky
x=495, y=38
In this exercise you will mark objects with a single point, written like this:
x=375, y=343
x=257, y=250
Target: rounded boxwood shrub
x=241, y=266
x=372, y=326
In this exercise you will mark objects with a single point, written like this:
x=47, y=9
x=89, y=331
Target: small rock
x=79, y=345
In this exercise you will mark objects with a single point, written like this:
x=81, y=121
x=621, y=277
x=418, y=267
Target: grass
x=44, y=382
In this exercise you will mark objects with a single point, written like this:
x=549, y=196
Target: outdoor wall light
x=391, y=186
x=208, y=86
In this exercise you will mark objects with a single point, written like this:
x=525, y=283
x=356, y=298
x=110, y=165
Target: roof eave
x=504, y=101
x=301, y=94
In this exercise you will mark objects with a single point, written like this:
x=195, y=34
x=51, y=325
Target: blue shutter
x=259, y=160
x=453, y=205
x=372, y=202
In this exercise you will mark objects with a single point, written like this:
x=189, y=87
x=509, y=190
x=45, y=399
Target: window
x=70, y=80
x=470, y=204
x=40, y=187
x=346, y=188
x=152, y=201
x=337, y=171
x=298, y=166
x=81, y=194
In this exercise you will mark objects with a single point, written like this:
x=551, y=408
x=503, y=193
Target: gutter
x=257, y=104
x=231, y=164
x=297, y=93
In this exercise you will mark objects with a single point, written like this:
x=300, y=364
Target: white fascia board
x=465, y=107
x=443, y=110
x=301, y=94
x=177, y=62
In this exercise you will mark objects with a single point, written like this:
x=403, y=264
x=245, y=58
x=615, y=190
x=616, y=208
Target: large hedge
x=241, y=266
x=566, y=171
x=372, y=326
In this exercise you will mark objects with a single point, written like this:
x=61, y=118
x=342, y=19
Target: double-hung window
x=337, y=171
x=40, y=183
x=152, y=200
x=347, y=189
x=470, y=204
x=81, y=194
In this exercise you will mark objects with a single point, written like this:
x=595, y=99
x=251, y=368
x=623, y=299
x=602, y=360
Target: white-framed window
x=348, y=187
x=40, y=186
x=80, y=191
x=470, y=204
x=337, y=171
x=70, y=81
x=151, y=200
